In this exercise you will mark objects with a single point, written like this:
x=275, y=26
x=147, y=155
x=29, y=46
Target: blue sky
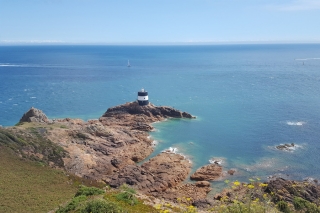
x=159, y=21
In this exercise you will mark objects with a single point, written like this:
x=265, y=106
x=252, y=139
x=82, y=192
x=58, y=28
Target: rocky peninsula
x=107, y=149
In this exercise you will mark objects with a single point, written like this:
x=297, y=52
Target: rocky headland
x=107, y=149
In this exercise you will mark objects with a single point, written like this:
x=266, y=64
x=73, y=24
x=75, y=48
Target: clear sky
x=159, y=21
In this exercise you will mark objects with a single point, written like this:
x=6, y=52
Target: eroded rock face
x=208, y=172
x=156, y=175
x=34, y=115
x=287, y=190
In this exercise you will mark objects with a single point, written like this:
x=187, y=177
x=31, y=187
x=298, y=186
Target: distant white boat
x=129, y=64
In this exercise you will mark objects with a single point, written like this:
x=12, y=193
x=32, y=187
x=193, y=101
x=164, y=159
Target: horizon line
x=57, y=43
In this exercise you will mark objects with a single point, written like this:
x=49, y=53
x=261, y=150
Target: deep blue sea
x=247, y=98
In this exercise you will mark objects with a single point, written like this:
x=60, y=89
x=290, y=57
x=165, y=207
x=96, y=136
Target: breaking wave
x=296, y=123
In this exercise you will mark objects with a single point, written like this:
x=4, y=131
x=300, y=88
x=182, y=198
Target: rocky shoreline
x=107, y=149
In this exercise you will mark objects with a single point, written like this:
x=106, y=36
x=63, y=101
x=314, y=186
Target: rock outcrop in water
x=151, y=111
x=208, y=172
x=286, y=147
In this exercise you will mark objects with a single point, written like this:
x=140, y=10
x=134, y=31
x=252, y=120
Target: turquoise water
x=247, y=98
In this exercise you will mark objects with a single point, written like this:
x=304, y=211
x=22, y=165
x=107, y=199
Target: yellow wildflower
x=250, y=186
x=263, y=184
x=157, y=206
x=236, y=183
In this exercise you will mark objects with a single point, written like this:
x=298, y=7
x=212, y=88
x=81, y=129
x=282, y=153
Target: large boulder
x=208, y=172
x=156, y=175
x=34, y=115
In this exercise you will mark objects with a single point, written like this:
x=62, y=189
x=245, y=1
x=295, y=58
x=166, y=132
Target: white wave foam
x=174, y=150
x=218, y=161
x=171, y=150
x=15, y=104
x=10, y=65
x=306, y=59
x=155, y=143
x=33, y=97
x=296, y=123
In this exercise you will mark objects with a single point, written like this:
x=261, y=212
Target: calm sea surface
x=247, y=98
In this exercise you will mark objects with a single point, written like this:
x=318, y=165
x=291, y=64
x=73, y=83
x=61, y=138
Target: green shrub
x=101, y=206
x=88, y=191
x=126, y=188
x=312, y=208
x=283, y=206
x=72, y=205
x=299, y=203
x=127, y=197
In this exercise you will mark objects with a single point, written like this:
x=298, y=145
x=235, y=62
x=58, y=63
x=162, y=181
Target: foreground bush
x=88, y=191
x=101, y=206
x=127, y=195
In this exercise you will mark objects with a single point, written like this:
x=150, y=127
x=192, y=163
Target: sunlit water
x=247, y=98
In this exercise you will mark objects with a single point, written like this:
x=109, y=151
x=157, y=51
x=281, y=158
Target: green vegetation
x=27, y=186
x=91, y=199
x=101, y=206
x=127, y=195
x=88, y=191
x=283, y=206
x=29, y=143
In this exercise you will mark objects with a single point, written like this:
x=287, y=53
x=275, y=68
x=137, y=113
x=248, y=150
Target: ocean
x=247, y=98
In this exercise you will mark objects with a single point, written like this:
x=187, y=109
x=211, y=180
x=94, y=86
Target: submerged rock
x=286, y=147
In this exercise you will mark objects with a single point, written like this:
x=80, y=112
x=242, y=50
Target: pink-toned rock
x=34, y=115
x=108, y=148
x=231, y=171
x=208, y=172
x=203, y=184
x=156, y=175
